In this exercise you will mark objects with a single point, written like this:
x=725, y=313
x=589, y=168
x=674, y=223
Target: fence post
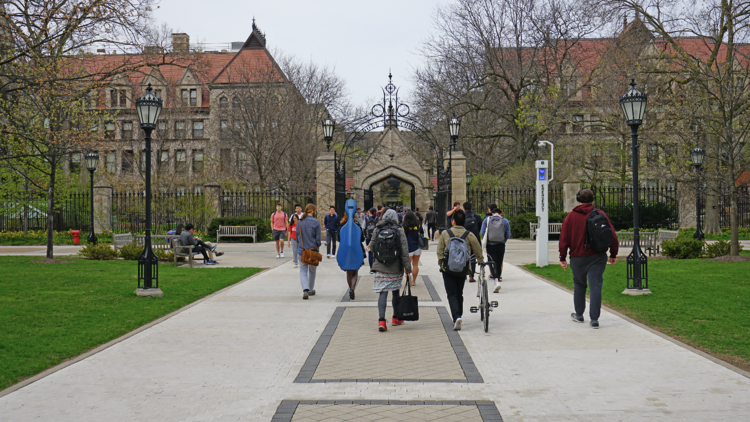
x=686, y=204
x=102, y=206
x=326, y=181
x=570, y=189
x=212, y=190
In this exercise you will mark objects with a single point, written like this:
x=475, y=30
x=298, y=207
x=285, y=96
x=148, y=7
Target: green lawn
x=52, y=312
x=705, y=304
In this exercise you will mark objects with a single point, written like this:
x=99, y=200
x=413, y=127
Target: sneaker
x=372, y=272
x=381, y=326
x=219, y=253
x=282, y=254
x=497, y=287
x=209, y=262
x=457, y=324
x=295, y=265
x=277, y=256
x=594, y=324
x=333, y=256
x=471, y=280
x=577, y=318
x=328, y=256
x=395, y=322
x=500, y=278
x=305, y=294
x=212, y=248
x=312, y=292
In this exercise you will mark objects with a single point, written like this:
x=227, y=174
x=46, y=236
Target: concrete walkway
x=236, y=356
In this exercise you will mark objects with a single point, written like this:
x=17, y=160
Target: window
x=198, y=129
x=190, y=97
x=226, y=160
x=223, y=102
x=113, y=98
x=235, y=102
x=569, y=88
x=163, y=160
x=652, y=156
x=161, y=127
x=596, y=124
x=185, y=97
x=127, y=130
x=179, y=129
x=198, y=161
x=180, y=159
x=237, y=126
x=123, y=99
x=241, y=161
x=111, y=162
x=127, y=161
x=109, y=131
x=578, y=123
x=75, y=163
x=224, y=127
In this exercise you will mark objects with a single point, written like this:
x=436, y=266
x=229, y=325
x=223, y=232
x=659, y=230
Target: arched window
x=235, y=102
x=223, y=102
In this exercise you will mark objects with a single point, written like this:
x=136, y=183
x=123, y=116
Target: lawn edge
x=102, y=347
x=665, y=336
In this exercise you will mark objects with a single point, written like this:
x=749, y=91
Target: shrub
x=263, y=225
x=720, y=248
x=100, y=252
x=131, y=251
x=519, y=224
x=682, y=247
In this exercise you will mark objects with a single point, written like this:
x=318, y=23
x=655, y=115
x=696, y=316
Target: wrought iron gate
x=442, y=201
x=340, y=186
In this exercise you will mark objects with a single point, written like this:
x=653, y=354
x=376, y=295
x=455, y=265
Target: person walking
x=585, y=263
x=331, y=222
x=455, y=247
x=431, y=219
x=293, y=222
x=388, y=274
x=308, y=232
x=496, y=232
x=472, y=224
x=412, y=229
x=279, y=229
x=371, y=221
x=351, y=250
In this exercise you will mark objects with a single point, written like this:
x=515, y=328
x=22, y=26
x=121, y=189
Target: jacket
x=573, y=234
x=308, y=232
x=472, y=242
x=390, y=218
x=412, y=237
x=507, y=229
x=331, y=222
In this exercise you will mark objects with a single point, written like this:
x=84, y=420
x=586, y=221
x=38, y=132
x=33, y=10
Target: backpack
x=370, y=224
x=457, y=257
x=598, y=232
x=471, y=224
x=495, y=229
x=387, y=246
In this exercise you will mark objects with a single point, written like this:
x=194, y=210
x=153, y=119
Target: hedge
x=263, y=226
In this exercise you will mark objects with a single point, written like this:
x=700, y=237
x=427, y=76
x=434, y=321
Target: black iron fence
x=260, y=204
x=168, y=209
x=725, y=208
x=71, y=212
x=513, y=201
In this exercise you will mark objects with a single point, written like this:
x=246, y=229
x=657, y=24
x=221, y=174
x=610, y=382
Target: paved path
x=240, y=354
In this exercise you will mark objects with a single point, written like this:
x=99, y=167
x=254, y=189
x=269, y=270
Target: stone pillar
x=325, y=172
x=212, y=192
x=570, y=189
x=458, y=182
x=102, y=207
x=686, y=205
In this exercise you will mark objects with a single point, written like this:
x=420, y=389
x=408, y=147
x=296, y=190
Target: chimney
x=181, y=43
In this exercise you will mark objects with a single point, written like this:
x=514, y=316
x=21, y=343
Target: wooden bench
x=121, y=240
x=554, y=228
x=237, y=231
x=181, y=251
x=651, y=241
x=157, y=241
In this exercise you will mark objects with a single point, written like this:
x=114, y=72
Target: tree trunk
x=734, y=224
x=711, y=223
x=50, y=212
x=26, y=208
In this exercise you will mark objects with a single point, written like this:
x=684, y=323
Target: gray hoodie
x=308, y=232
x=390, y=217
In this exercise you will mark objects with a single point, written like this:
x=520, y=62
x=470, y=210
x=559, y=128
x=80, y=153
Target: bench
x=121, y=240
x=157, y=241
x=651, y=241
x=553, y=228
x=237, y=231
x=183, y=251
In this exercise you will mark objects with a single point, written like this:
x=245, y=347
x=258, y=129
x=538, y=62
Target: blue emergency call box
x=542, y=174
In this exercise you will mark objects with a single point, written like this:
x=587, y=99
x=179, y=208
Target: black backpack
x=387, y=245
x=471, y=224
x=370, y=228
x=598, y=232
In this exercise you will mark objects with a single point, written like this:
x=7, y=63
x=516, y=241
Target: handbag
x=309, y=256
x=423, y=243
x=408, y=306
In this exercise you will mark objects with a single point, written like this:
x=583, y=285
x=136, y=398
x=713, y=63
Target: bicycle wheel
x=486, y=307
x=481, y=301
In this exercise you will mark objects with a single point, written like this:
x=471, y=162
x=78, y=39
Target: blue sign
x=542, y=174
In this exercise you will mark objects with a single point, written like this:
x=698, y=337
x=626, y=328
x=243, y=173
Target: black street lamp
x=92, y=160
x=328, y=132
x=148, y=108
x=697, y=155
x=633, y=105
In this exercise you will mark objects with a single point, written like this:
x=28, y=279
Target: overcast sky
x=362, y=40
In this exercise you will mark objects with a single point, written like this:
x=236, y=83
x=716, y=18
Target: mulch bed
x=728, y=258
x=51, y=261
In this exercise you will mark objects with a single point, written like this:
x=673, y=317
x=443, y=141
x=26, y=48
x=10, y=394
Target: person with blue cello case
x=351, y=253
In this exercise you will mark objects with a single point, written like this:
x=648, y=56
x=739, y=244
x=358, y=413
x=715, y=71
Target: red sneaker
x=395, y=322
x=381, y=326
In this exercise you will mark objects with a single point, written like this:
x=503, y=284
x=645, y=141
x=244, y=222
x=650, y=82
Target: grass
x=702, y=303
x=52, y=312
x=726, y=234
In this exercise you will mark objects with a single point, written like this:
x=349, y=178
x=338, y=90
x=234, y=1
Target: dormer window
x=223, y=102
x=190, y=97
x=235, y=102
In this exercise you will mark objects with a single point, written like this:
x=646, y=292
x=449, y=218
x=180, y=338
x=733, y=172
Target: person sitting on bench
x=187, y=238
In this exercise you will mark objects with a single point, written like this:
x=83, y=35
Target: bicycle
x=485, y=305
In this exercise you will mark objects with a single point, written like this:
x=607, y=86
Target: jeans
x=591, y=267
x=201, y=247
x=307, y=276
x=383, y=301
x=454, y=289
x=370, y=258
x=295, y=253
x=497, y=253
x=331, y=238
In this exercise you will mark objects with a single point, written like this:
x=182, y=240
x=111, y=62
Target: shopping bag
x=408, y=306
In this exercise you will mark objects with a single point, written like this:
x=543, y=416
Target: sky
x=361, y=40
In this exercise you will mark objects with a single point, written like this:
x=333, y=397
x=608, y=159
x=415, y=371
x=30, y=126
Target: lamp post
x=148, y=108
x=454, y=126
x=633, y=105
x=697, y=155
x=92, y=160
x=328, y=132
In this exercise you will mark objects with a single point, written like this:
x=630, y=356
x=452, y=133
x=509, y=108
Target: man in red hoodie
x=584, y=262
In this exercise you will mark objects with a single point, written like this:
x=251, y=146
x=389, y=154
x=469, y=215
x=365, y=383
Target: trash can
x=76, y=236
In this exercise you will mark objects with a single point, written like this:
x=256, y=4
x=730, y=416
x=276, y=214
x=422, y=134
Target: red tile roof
x=743, y=180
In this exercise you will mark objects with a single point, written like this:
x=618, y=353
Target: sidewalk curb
x=123, y=337
x=699, y=352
